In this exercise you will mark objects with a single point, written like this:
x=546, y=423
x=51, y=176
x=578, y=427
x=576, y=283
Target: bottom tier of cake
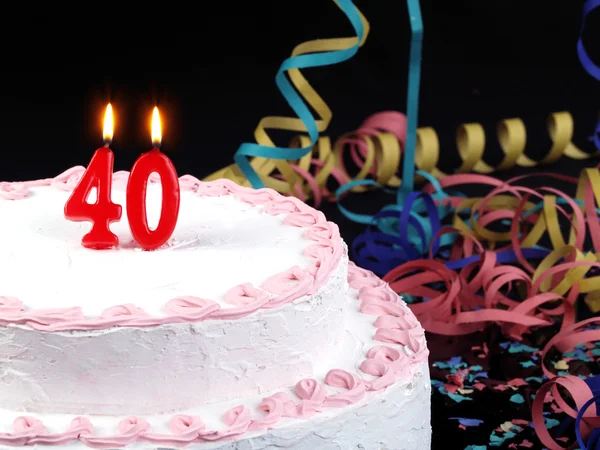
x=376, y=395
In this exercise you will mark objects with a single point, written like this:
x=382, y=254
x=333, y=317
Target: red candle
x=103, y=211
x=148, y=163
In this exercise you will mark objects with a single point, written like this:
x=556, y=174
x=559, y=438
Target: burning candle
x=103, y=211
x=150, y=162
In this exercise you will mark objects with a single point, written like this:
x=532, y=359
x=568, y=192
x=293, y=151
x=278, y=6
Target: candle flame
x=108, y=124
x=156, y=129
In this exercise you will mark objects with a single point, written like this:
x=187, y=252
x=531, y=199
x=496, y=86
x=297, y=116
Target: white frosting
x=397, y=418
x=174, y=366
x=219, y=242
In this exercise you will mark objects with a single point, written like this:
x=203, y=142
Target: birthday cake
x=249, y=328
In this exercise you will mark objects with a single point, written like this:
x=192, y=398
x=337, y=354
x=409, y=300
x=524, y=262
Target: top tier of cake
x=246, y=296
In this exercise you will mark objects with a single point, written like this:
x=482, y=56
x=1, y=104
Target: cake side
x=182, y=351
x=373, y=395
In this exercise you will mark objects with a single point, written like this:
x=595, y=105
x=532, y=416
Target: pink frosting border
x=326, y=249
x=395, y=324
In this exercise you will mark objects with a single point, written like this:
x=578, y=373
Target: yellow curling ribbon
x=377, y=146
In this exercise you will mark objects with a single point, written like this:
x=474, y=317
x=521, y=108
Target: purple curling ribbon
x=593, y=442
x=590, y=66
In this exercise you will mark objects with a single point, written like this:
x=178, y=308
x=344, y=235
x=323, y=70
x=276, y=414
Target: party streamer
x=589, y=65
x=511, y=237
x=300, y=95
x=376, y=148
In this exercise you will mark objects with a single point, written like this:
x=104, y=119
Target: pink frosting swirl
x=312, y=394
x=133, y=425
x=256, y=197
x=385, y=374
x=273, y=407
x=243, y=295
x=11, y=305
x=121, y=311
x=68, y=180
x=191, y=308
x=377, y=308
x=247, y=300
x=189, y=183
x=283, y=206
x=341, y=379
x=13, y=191
x=406, y=322
x=184, y=425
x=289, y=405
x=412, y=339
x=305, y=218
x=212, y=190
x=283, y=282
x=319, y=250
x=81, y=425
x=385, y=294
x=51, y=317
x=28, y=425
x=360, y=278
x=237, y=419
x=322, y=231
x=398, y=360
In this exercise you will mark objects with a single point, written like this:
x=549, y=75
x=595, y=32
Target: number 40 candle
x=103, y=211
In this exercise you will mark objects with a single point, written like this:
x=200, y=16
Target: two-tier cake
x=249, y=329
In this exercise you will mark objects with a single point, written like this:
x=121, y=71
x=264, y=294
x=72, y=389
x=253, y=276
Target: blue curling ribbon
x=296, y=102
x=594, y=439
x=586, y=61
x=592, y=68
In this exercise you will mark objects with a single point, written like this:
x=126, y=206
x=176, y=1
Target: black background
x=210, y=68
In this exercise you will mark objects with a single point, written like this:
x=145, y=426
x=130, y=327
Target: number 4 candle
x=103, y=212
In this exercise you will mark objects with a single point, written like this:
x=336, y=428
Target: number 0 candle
x=151, y=162
x=103, y=212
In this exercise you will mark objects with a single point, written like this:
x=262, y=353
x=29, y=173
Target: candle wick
x=106, y=143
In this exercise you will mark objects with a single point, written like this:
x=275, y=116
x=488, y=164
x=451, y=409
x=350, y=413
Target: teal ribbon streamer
x=412, y=98
x=296, y=102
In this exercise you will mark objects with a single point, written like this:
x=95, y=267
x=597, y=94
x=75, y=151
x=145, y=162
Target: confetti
x=517, y=347
x=467, y=422
x=534, y=379
x=497, y=441
x=527, y=363
x=517, y=398
x=561, y=365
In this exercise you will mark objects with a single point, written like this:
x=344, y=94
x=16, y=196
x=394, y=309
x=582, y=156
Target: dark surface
x=210, y=69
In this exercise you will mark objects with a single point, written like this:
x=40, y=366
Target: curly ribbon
x=412, y=102
x=592, y=68
x=586, y=396
x=584, y=393
x=586, y=61
x=299, y=94
x=375, y=150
